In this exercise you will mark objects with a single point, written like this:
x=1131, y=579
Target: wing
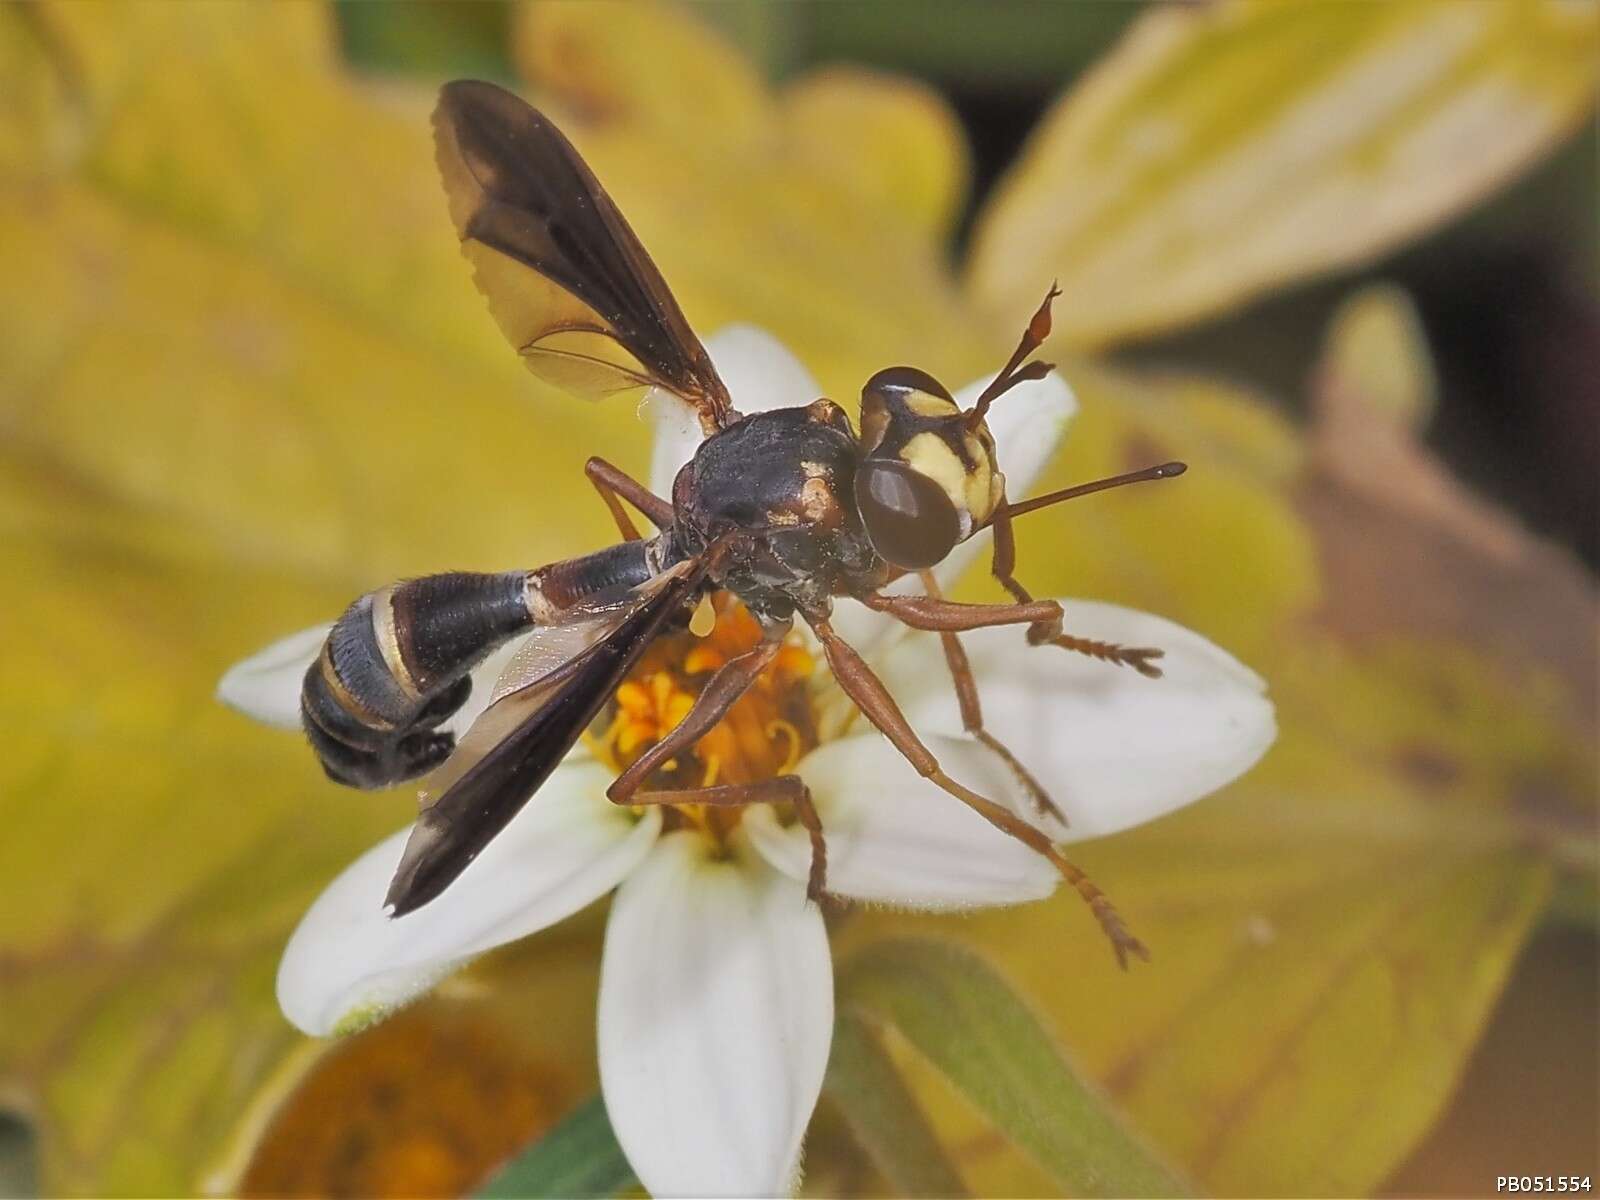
x=531, y=728
x=566, y=279
x=544, y=660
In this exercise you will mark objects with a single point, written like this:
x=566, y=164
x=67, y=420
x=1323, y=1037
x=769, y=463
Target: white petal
x=760, y=373
x=1028, y=423
x=1113, y=748
x=266, y=686
x=348, y=963
x=894, y=838
x=716, y=1013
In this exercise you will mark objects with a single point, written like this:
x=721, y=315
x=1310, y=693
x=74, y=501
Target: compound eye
x=909, y=519
x=906, y=379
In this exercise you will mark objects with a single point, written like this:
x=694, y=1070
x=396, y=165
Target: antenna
x=1167, y=470
x=1014, y=372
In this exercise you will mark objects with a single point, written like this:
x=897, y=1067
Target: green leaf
x=967, y=1021
x=1222, y=149
x=579, y=1157
x=882, y=1113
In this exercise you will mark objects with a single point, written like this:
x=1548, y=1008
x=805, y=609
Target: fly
x=785, y=510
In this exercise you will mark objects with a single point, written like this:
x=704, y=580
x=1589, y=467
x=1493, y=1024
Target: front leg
x=1048, y=631
x=936, y=615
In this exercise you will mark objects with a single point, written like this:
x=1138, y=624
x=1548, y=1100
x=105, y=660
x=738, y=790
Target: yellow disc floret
x=762, y=736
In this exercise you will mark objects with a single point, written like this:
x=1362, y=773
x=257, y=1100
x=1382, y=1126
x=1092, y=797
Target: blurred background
x=1506, y=294
x=1342, y=258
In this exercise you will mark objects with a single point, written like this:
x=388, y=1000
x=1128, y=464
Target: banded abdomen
x=397, y=663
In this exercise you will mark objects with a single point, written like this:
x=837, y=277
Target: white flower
x=716, y=995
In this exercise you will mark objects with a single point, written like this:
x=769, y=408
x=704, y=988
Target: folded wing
x=520, y=738
x=566, y=279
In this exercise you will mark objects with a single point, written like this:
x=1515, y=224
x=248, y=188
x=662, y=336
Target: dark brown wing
x=566, y=279
x=452, y=830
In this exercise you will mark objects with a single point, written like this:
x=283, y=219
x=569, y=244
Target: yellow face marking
x=984, y=504
x=975, y=492
x=930, y=456
x=979, y=491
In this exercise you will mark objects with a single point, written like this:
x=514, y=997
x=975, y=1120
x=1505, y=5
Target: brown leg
x=783, y=789
x=879, y=707
x=1048, y=631
x=966, y=687
x=935, y=614
x=615, y=486
x=731, y=680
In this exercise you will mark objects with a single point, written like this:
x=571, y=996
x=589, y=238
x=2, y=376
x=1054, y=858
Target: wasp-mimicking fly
x=784, y=510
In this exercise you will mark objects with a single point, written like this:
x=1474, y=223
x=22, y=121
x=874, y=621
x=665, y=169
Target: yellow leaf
x=158, y=850
x=244, y=376
x=895, y=142
x=1225, y=148
x=39, y=122
x=653, y=70
x=1327, y=938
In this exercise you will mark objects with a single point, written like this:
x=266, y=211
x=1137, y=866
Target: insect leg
x=934, y=614
x=1049, y=631
x=879, y=707
x=966, y=689
x=782, y=789
x=615, y=485
x=730, y=681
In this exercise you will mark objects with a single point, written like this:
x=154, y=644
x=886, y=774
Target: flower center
x=766, y=732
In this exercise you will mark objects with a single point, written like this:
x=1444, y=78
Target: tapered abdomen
x=397, y=664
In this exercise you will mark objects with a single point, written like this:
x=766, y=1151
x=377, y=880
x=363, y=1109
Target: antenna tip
x=1170, y=470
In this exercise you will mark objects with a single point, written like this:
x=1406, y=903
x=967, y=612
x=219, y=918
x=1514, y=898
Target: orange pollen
x=762, y=736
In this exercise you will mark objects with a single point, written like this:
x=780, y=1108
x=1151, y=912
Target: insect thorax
x=783, y=481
